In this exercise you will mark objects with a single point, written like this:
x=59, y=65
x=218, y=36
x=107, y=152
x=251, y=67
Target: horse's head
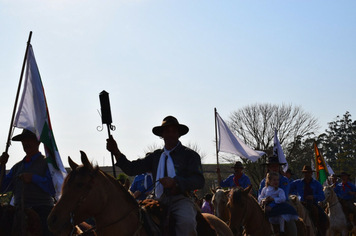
x=81, y=197
x=219, y=200
x=295, y=202
x=329, y=194
x=239, y=199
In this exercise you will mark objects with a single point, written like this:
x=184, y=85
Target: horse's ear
x=212, y=190
x=72, y=164
x=248, y=189
x=85, y=161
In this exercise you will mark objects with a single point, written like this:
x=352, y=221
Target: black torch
x=106, y=118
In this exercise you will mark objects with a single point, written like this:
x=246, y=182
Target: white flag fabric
x=230, y=143
x=277, y=150
x=33, y=115
x=331, y=172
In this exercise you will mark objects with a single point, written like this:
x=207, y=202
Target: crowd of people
x=171, y=175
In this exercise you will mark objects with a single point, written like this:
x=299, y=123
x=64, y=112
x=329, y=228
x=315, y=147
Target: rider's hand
x=136, y=194
x=26, y=177
x=168, y=182
x=269, y=199
x=111, y=146
x=3, y=158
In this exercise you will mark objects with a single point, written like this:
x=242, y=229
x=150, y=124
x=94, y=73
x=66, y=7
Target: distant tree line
x=255, y=125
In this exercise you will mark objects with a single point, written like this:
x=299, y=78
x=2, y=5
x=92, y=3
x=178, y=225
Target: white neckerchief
x=145, y=182
x=160, y=170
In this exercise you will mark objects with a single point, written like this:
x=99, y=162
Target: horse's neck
x=334, y=205
x=256, y=223
x=118, y=213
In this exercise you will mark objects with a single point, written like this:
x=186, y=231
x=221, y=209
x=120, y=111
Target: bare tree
x=255, y=125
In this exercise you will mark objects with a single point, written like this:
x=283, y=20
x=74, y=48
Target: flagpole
x=216, y=140
x=8, y=142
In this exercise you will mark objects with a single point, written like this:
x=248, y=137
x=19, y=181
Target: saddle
x=158, y=221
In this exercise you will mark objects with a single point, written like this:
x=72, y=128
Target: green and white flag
x=32, y=114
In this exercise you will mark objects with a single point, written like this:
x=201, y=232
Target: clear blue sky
x=181, y=58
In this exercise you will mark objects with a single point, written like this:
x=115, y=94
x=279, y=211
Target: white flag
x=331, y=172
x=277, y=150
x=230, y=143
x=33, y=115
x=313, y=168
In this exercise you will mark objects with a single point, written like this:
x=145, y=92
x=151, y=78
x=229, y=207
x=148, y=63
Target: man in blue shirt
x=310, y=192
x=346, y=191
x=142, y=186
x=30, y=180
x=238, y=179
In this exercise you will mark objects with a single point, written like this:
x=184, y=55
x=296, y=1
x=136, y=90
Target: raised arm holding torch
x=106, y=118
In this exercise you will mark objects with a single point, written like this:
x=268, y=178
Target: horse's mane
x=237, y=195
x=116, y=183
x=82, y=171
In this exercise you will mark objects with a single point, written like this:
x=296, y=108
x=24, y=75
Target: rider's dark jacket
x=187, y=165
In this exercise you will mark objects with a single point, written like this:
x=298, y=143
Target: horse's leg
x=292, y=228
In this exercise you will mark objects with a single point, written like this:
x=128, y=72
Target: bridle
x=88, y=187
x=331, y=205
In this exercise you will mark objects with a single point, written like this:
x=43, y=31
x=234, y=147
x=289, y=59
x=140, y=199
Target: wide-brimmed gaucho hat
x=307, y=169
x=344, y=173
x=169, y=121
x=273, y=160
x=238, y=164
x=26, y=134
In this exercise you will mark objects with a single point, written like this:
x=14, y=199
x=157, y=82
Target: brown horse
x=87, y=191
x=246, y=211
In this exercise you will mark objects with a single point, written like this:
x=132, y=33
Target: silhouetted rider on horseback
x=273, y=165
x=346, y=192
x=311, y=192
x=176, y=169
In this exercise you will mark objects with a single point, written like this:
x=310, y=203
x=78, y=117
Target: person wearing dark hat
x=311, y=192
x=30, y=180
x=176, y=169
x=273, y=165
x=289, y=175
x=332, y=180
x=238, y=179
x=346, y=192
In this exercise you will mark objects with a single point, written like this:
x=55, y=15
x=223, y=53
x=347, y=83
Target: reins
x=146, y=190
